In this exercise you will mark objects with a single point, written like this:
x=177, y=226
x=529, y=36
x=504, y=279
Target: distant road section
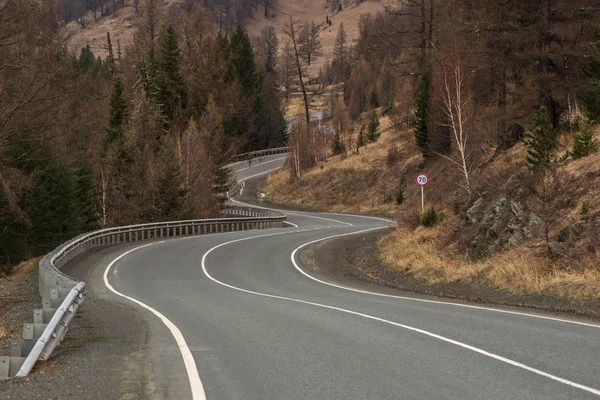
x=259, y=326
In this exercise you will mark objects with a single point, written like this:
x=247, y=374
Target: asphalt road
x=235, y=316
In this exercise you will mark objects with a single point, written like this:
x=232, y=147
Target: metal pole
x=422, y=200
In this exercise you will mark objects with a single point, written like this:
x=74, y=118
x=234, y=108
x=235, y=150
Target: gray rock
x=515, y=238
x=498, y=205
x=517, y=210
x=534, y=226
x=471, y=212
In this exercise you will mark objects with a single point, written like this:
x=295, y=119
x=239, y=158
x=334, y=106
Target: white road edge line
x=190, y=365
x=410, y=328
x=394, y=296
x=286, y=212
x=448, y=303
x=293, y=257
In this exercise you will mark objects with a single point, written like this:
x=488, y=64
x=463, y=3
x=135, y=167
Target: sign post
x=422, y=180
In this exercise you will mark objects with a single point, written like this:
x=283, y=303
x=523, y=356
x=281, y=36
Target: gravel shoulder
x=353, y=261
x=103, y=355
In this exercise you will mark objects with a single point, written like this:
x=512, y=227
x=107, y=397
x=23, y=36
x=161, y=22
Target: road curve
x=253, y=324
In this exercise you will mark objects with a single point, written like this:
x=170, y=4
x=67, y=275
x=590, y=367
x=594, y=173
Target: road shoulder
x=353, y=261
x=104, y=353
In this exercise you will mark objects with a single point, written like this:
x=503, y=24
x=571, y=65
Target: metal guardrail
x=261, y=153
x=62, y=295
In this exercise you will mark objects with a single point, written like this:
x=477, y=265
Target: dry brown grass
x=23, y=268
x=315, y=10
x=121, y=28
x=358, y=183
x=521, y=270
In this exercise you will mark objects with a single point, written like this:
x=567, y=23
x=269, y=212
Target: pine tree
x=584, y=143
x=172, y=95
x=117, y=118
x=373, y=128
x=541, y=140
x=421, y=114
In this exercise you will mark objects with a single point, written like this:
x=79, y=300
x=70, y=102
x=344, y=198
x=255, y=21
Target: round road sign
x=422, y=179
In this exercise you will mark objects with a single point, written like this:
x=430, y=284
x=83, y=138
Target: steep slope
x=497, y=236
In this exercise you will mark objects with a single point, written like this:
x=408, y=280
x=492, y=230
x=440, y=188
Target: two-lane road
x=235, y=316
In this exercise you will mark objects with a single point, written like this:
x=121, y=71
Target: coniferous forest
x=137, y=136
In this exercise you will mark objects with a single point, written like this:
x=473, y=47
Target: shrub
x=393, y=156
x=431, y=217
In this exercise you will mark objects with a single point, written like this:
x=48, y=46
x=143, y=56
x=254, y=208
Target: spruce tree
x=149, y=75
x=591, y=100
x=373, y=128
x=242, y=62
x=338, y=147
x=421, y=114
x=374, y=101
x=584, y=143
x=86, y=60
x=52, y=207
x=541, y=140
x=118, y=114
x=399, y=195
x=172, y=95
x=86, y=197
x=172, y=200
x=361, y=140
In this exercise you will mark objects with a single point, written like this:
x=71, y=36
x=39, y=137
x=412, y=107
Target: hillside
x=315, y=10
x=122, y=26
x=496, y=237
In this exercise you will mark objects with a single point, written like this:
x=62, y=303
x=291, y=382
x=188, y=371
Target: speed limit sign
x=422, y=179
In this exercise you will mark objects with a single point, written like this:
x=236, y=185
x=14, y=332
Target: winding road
x=236, y=316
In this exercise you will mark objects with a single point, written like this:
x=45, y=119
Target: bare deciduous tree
x=266, y=47
x=458, y=112
x=310, y=42
x=292, y=35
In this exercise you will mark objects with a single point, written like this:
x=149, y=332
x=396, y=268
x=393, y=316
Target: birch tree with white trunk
x=458, y=111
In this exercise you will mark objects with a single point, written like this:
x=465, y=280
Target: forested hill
x=499, y=103
x=139, y=135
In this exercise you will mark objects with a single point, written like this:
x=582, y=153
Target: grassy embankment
x=368, y=183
